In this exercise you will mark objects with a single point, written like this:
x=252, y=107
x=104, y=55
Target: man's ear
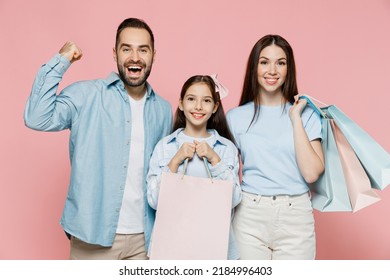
x=114, y=55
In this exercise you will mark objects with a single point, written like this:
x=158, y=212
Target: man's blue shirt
x=98, y=115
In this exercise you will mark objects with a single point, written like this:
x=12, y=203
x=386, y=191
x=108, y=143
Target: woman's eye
x=263, y=62
x=282, y=63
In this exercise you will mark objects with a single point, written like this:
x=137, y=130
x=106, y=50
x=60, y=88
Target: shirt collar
x=172, y=137
x=113, y=79
x=218, y=138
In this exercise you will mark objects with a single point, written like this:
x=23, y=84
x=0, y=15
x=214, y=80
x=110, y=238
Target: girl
x=200, y=131
x=279, y=143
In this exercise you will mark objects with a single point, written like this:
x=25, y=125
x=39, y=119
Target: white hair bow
x=223, y=91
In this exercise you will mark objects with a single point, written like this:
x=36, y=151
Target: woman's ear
x=154, y=55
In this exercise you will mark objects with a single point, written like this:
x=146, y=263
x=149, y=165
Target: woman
x=279, y=143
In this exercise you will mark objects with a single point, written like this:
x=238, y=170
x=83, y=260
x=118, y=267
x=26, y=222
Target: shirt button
x=124, y=166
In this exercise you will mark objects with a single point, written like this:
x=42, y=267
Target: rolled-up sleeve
x=228, y=169
x=44, y=109
x=154, y=175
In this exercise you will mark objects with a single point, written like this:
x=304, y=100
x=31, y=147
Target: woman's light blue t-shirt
x=267, y=148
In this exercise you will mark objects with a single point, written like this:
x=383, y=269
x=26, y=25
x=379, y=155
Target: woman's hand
x=297, y=108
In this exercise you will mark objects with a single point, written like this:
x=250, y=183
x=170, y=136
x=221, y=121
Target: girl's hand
x=204, y=150
x=296, y=109
x=187, y=150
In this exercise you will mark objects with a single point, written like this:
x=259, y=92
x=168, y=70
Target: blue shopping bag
x=329, y=192
x=345, y=184
x=374, y=158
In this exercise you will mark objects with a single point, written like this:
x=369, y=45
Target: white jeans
x=275, y=227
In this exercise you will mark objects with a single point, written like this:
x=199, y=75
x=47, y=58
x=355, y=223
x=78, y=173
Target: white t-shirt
x=196, y=166
x=131, y=216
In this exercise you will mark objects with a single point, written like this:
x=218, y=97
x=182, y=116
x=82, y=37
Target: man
x=115, y=124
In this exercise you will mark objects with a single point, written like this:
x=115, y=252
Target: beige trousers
x=275, y=227
x=125, y=247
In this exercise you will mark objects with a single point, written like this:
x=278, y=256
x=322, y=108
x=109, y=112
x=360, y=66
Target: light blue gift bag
x=329, y=192
x=375, y=159
x=332, y=191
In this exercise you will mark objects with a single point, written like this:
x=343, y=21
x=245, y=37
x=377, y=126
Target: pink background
x=342, y=54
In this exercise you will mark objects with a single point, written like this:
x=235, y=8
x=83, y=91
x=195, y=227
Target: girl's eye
x=190, y=98
x=208, y=100
x=263, y=62
x=282, y=63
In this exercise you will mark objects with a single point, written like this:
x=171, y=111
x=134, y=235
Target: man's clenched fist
x=71, y=51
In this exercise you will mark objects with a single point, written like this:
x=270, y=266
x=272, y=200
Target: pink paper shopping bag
x=192, y=219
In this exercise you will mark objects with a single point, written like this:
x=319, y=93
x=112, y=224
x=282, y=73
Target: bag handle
x=205, y=164
x=309, y=100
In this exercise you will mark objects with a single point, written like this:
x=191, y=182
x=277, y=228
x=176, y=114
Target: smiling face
x=197, y=105
x=134, y=56
x=272, y=70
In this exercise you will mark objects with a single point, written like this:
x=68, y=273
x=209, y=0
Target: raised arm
x=44, y=109
x=309, y=154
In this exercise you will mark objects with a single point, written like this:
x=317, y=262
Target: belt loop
x=289, y=201
x=257, y=199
